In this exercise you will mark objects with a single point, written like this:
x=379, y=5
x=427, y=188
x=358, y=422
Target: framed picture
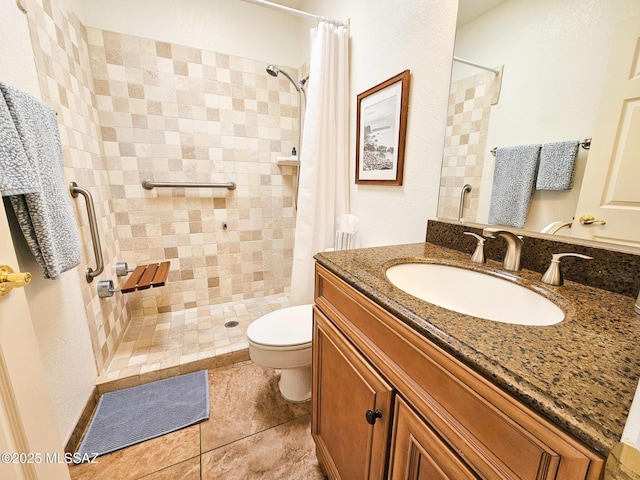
x=381, y=132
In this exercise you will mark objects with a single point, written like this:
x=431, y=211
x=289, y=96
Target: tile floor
x=252, y=433
x=168, y=340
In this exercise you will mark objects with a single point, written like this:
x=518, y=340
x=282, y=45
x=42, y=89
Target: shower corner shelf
x=288, y=161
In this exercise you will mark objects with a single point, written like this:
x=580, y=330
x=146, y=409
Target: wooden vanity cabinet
x=418, y=453
x=352, y=437
x=438, y=418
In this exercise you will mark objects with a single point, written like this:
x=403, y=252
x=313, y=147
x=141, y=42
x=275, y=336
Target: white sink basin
x=474, y=293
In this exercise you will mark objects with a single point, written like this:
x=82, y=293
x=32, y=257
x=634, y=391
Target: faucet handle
x=553, y=275
x=490, y=232
x=478, y=254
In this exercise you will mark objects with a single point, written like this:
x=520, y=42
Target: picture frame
x=381, y=131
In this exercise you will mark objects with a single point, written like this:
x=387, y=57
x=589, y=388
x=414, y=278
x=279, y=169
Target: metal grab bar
x=89, y=273
x=466, y=189
x=148, y=185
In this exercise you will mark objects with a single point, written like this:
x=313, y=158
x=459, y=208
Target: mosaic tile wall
x=470, y=101
x=173, y=113
x=131, y=108
x=62, y=60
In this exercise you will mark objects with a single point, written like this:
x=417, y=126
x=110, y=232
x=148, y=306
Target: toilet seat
x=286, y=329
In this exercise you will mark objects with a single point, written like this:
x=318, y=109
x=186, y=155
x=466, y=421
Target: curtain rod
x=467, y=62
x=293, y=11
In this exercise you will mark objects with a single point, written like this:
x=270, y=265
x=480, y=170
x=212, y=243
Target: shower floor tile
x=166, y=340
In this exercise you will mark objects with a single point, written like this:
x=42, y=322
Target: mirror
x=551, y=59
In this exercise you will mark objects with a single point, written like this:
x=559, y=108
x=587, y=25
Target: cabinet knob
x=371, y=416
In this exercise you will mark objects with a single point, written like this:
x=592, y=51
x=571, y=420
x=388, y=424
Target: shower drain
x=231, y=323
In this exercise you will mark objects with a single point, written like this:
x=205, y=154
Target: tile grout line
x=253, y=434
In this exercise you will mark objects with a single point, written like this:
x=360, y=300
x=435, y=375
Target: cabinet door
x=418, y=453
x=345, y=388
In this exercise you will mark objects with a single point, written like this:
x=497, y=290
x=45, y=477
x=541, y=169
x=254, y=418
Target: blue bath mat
x=133, y=415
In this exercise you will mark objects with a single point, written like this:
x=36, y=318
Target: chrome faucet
x=511, y=260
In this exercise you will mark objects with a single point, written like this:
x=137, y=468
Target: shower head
x=275, y=71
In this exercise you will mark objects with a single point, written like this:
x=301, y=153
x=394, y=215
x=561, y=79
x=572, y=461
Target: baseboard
x=83, y=422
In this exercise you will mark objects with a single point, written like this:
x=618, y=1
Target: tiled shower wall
x=180, y=114
x=470, y=101
x=61, y=55
x=131, y=108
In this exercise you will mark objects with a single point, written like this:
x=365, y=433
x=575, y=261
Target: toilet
x=282, y=340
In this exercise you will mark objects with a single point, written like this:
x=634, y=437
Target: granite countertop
x=581, y=373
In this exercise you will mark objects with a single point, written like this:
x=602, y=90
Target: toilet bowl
x=282, y=340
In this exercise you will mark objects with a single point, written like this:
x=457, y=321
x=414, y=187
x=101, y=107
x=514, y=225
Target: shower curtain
x=323, y=192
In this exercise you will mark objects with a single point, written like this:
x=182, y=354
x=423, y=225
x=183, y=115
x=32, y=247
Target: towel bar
x=586, y=144
x=89, y=273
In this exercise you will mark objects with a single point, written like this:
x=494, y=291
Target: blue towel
x=514, y=179
x=17, y=173
x=44, y=209
x=557, y=165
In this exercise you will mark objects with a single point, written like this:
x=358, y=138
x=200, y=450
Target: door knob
x=9, y=279
x=589, y=219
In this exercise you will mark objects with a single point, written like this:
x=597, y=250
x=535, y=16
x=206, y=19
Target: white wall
x=387, y=38
x=56, y=307
x=59, y=322
x=17, y=66
x=555, y=56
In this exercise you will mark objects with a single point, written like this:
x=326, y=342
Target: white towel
x=45, y=213
x=514, y=179
x=557, y=165
x=344, y=240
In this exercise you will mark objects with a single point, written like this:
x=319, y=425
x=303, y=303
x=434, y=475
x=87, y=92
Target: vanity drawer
x=497, y=435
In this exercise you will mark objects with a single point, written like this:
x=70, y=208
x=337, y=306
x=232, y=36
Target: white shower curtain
x=323, y=192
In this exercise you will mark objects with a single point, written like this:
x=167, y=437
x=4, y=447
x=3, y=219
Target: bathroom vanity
x=403, y=389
